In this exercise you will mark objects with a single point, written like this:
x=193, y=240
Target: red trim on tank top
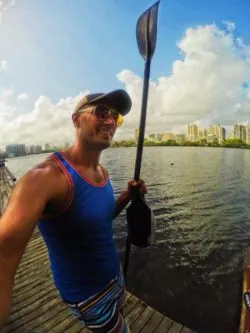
x=102, y=184
x=71, y=189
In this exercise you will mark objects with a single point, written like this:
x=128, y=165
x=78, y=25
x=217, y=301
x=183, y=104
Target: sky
x=54, y=52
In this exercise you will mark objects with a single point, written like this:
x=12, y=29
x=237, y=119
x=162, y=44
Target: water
x=201, y=203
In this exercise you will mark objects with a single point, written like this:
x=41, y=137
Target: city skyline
x=214, y=132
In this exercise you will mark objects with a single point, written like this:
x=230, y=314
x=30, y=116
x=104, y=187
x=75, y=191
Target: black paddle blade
x=146, y=31
x=140, y=223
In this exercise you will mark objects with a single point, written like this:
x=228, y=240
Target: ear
x=75, y=120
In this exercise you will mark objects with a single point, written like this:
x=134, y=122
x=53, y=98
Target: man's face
x=94, y=130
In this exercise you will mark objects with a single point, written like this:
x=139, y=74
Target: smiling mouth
x=106, y=131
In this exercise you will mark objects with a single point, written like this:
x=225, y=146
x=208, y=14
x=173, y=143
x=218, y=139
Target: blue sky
x=58, y=48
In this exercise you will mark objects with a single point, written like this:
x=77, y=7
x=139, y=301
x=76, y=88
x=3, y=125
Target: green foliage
x=229, y=143
x=235, y=143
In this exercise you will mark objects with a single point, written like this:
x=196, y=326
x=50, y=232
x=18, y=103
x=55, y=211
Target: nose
x=110, y=121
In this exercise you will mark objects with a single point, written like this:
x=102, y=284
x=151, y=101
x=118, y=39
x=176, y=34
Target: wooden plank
x=164, y=325
x=30, y=269
x=40, y=262
x=134, y=315
x=153, y=323
x=130, y=304
x=30, y=311
x=37, y=316
x=32, y=295
x=175, y=328
x=144, y=318
x=38, y=259
x=15, y=323
x=54, y=318
x=66, y=321
x=76, y=328
x=35, y=241
x=32, y=277
x=31, y=249
x=245, y=300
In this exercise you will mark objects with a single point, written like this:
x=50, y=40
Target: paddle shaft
x=142, y=120
x=139, y=148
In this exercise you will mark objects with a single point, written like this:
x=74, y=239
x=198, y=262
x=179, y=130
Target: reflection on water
x=201, y=203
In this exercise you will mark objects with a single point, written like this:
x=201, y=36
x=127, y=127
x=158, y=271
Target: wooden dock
x=37, y=307
x=245, y=304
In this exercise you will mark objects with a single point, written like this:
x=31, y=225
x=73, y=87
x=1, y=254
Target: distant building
x=15, y=150
x=27, y=149
x=211, y=137
x=180, y=138
x=239, y=132
x=155, y=137
x=168, y=136
x=35, y=149
x=47, y=146
x=248, y=134
x=151, y=137
x=214, y=133
x=202, y=134
x=158, y=136
x=222, y=135
x=192, y=132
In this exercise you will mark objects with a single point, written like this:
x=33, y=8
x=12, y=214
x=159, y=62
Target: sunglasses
x=103, y=112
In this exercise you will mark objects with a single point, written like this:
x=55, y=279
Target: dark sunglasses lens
x=101, y=112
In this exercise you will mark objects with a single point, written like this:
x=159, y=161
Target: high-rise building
x=47, y=146
x=158, y=136
x=248, y=134
x=222, y=135
x=240, y=132
x=192, y=132
x=168, y=136
x=155, y=137
x=152, y=137
x=216, y=132
x=180, y=138
x=15, y=150
x=35, y=149
x=203, y=134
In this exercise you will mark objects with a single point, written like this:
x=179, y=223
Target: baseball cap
x=118, y=99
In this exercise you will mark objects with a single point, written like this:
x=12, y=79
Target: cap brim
x=117, y=99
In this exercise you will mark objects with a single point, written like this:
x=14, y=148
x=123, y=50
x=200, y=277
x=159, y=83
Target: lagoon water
x=201, y=201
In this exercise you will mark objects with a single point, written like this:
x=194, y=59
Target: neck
x=82, y=155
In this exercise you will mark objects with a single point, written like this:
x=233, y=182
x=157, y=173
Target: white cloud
x=48, y=122
x=22, y=97
x=205, y=86
x=5, y=5
x=210, y=83
x=3, y=65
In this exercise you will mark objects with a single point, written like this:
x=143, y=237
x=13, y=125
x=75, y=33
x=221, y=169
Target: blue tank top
x=80, y=243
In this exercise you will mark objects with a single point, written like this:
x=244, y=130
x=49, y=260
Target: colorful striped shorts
x=102, y=312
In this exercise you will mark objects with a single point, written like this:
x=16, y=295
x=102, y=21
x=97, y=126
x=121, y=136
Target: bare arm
x=17, y=224
x=121, y=202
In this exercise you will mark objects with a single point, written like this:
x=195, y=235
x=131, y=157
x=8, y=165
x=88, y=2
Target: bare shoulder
x=45, y=178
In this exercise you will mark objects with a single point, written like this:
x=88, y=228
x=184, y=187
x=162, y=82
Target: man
x=70, y=198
